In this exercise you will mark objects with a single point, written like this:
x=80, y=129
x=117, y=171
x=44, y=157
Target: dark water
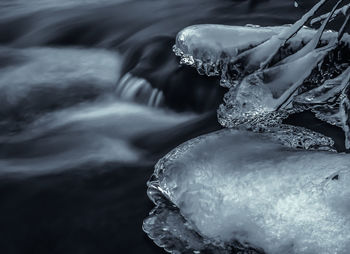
x=91, y=97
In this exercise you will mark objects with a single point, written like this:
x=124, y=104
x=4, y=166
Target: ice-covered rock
x=236, y=191
x=212, y=49
x=268, y=70
x=240, y=190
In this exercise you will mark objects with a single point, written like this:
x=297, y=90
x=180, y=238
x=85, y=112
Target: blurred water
x=57, y=56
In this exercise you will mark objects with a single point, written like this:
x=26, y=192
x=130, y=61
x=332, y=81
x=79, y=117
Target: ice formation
x=269, y=69
x=241, y=187
x=261, y=186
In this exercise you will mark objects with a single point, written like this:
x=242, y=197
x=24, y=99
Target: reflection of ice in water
x=237, y=190
x=237, y=185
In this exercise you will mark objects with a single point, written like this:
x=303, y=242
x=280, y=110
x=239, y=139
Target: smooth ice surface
x=237, y=185
x=198, y=40
x=212, y=42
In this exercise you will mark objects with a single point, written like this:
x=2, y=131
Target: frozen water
x=268, y=90
x=239, y=187
x=252, y=48
x=214, y=49
x=236, y=191
x=220, y=42
x=266, y=84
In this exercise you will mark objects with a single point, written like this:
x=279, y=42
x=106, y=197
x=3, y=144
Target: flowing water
x=91, y=96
